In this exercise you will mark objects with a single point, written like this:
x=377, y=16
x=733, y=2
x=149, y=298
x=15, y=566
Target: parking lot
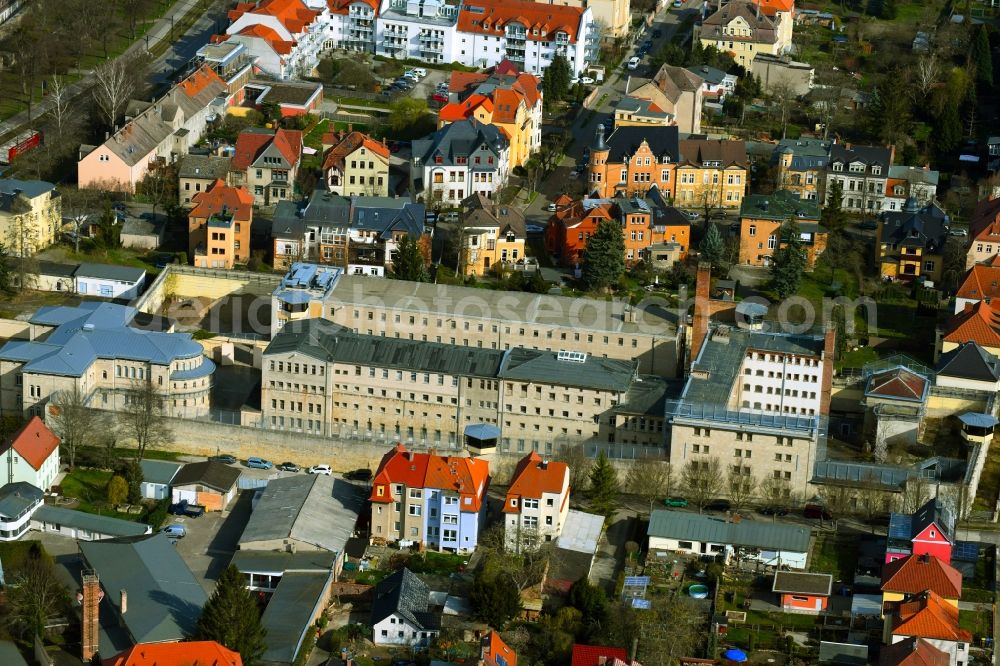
x=211, y=539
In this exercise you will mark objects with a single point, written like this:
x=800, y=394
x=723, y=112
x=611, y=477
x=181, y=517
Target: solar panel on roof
x=501, y=660
x=900, y=526
x=965, y=551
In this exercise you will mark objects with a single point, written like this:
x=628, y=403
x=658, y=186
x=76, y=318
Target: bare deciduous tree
x=143, y=418
x=649, y=478
x=741, y=486
x=926, y=74
x=702, y=481
x=775, y=492
x=880, y=449
x=34, y=594
x=113, y=87
x=915, y=494
x=76, y=423
x=579, y=466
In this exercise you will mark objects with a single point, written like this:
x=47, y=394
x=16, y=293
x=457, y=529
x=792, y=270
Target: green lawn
x=980, y=588
x=13, y=553
x=440, y=564
x=314, y=139
x=87, y=485
x=980, y=623
x=357, y=101
x=834, y=554
x=858, y=358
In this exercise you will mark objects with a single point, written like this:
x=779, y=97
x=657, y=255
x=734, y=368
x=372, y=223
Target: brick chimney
x=829, y=349
x=90, y=600
x=124, y=601
x=702, y=311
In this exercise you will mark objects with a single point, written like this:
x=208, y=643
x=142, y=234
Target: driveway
x=211, y=539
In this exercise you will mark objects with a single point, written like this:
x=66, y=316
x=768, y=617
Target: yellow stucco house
x=30, y=215
x=741, y=29
x=712, y=172
x=492, y=235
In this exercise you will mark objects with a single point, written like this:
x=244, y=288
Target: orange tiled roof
x=497, y=653
x=455, y=111
x=347, y=145
x=546, y=19
x=928, y=616
x=506, y=102
x=914, y=574
x=343, y=6
x=269, y=35
x=897, y=383
x=236, y=200
x=199, y=80
x=981, y=281
x=912, y=652
x=978, y=323
x=772, y=7
x=289, y=143
x=985, y=224
x=465, y=476
x=249, y=145
x=193, y=653
x=532, y=477
x=34, y=442
x=293, y=14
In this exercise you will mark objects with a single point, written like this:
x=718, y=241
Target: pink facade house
x=164, y=129
x=802, y=592
x=928, y=531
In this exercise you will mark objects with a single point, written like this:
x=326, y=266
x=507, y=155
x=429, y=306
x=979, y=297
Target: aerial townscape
x=499, y=332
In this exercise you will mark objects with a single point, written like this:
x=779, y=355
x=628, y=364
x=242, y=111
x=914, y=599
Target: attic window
x=380, y=491
x=513, y=502
x=933, y=534
x=468, y=500
x=438, y=159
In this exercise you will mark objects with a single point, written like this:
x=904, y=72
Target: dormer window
x=876, y=170
x=438, y=159
x=513, y=502
x=837, y=166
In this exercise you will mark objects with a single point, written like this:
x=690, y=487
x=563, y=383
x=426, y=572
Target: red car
x=438, y=97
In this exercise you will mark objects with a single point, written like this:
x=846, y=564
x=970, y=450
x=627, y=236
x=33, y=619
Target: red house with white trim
x=928, y=531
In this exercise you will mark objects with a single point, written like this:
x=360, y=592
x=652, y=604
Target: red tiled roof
x=496, y=652
x=293, y=14
x=546, y=19
x=772, y=7
x=199, y=80
x=505, y=66
x=34, y=442
x=236, y=200
x=269, y=35
x=985, y=223
x=532, y=477
x=456, y=111
x=347, y=145
x=912, y=652
x=344, y=6
x=506, y=103
x=465, y=476
x=898, y=383
x=193, y=653
x=978, y=323
x=928, y=616
x=590, y=655
x=249, y=145
x=981, y=281
x=914, y=574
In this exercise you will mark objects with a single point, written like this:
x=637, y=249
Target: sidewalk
x=158, y=33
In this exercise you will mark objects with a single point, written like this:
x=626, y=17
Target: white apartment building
x=286, y=36
x=537, y=502
x=483, y=33
x=461, y=159
x=351, y=25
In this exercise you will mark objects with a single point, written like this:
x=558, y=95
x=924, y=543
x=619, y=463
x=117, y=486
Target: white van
x=420, y=71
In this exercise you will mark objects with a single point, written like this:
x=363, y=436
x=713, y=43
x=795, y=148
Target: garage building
x=211, y=484
x=156, y=478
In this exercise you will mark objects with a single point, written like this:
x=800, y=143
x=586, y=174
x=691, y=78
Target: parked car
x=816, y=511
x=633, y=62
x=869, y=225
x=773, y=511
x=119, y=205
x=676, y=502
x=646, y=45
x=719, y=505
x=678, y=3
x=430, y=217
x=420, y=71
x=259, y=463
x=438, y=97
x=534, y=228
x=551, y=207
x=449, y=217
x=690, y=215
x=289, y=467
x=225, y=458
x=587, y=81
x=363, y=474
x=185, y=508
x=321, y=469
x=958, y=232
x=175, y=531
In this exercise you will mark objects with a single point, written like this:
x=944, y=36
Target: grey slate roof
x=276, y=562
x=482, y=213
x=159, y=471
x=28, y=188
x=868, y=155
x=164, y=599
x=750, y=534
x=914, y=175
x=463, y=138
x=216, y=475
x=405, y=595
x=797, y=582
x=110, y=272
x=383, y=215
x=710, y=74
x=807, y=154
x=781, y=205
x=326, y=341
x=290, y=612
x=310, y=508
x=969, y=361
x=95, y=330
x=763, y=29
x=662, y=141
x=16, y=498
x=91, y=522
x=208, y=167
x=543, y=366
x=914, y=226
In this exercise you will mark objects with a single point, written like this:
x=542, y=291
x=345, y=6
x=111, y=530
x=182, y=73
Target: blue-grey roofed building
x=291, y=611
x=150, y=595
x=771, y=543
x=301, y=293
x=109, y=281
x=84, y=526
x=801, y=164
x=460, y=159
x=98, y=348
x=18, y=501
x=400, y=611
x=156, y=478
